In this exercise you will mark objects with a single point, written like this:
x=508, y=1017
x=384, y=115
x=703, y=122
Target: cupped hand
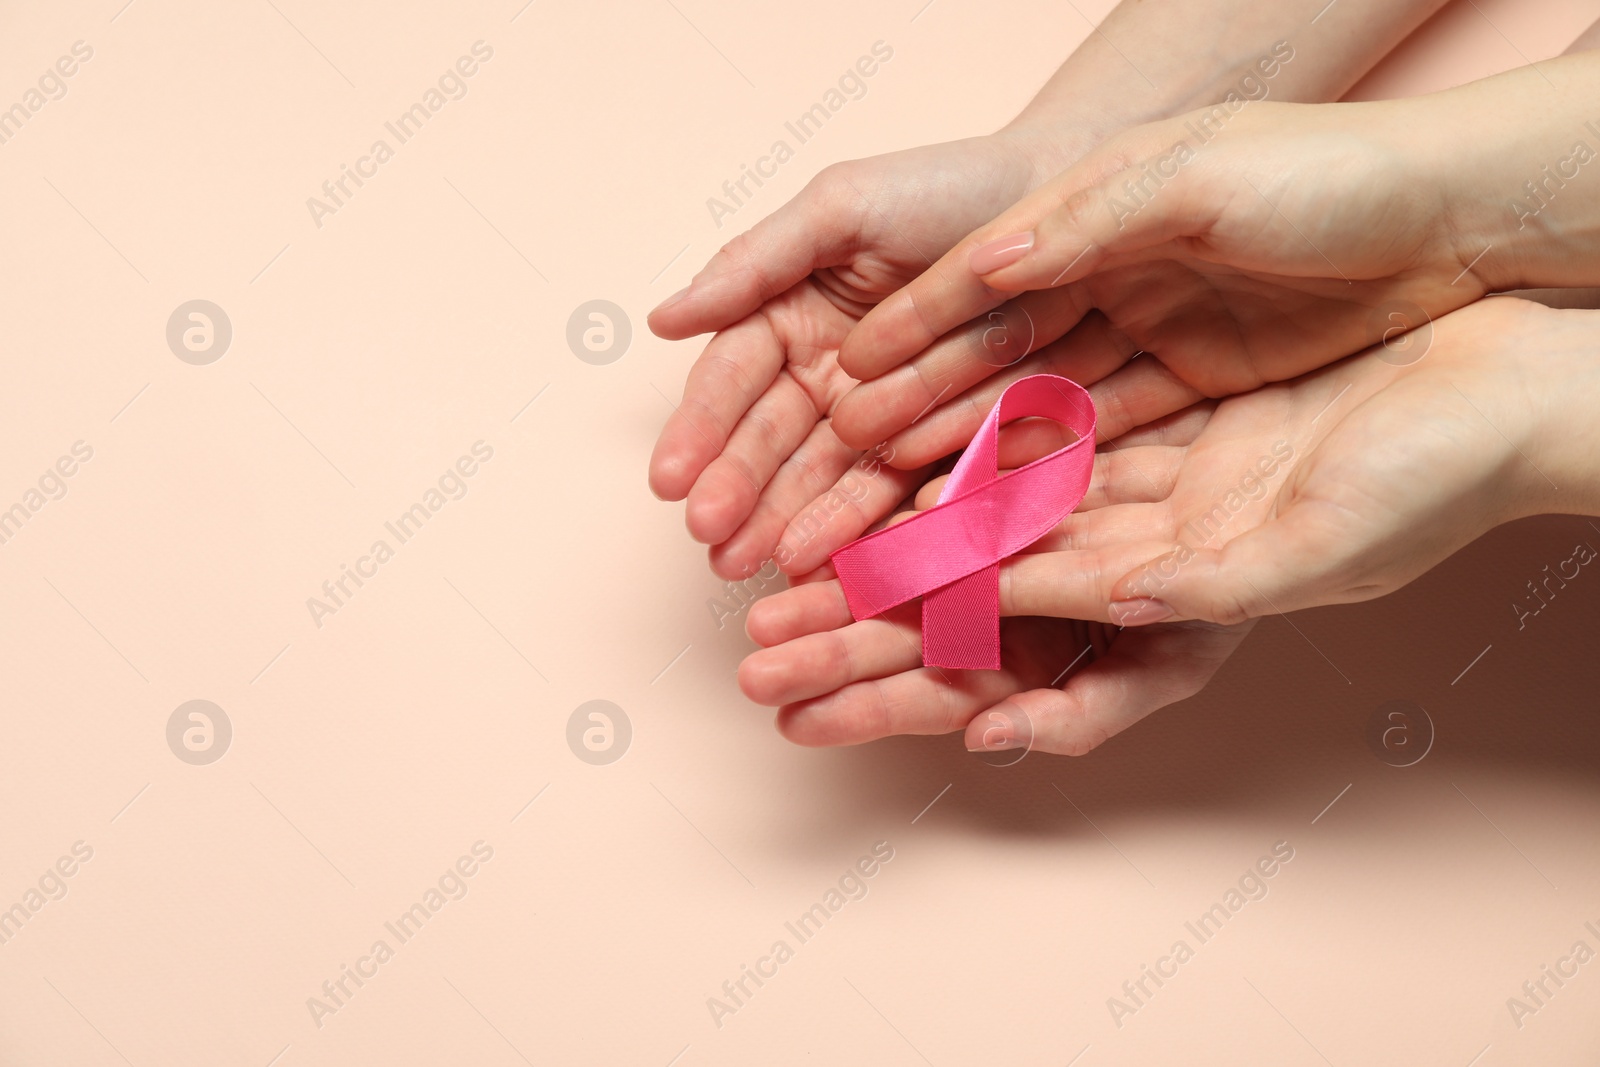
x=1237, y=248
x=1341, y=485
x=751, y=445
x=841, y=682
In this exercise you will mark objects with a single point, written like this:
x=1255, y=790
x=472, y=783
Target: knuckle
x=832, y=179
x=1230, y=608
x=761, y=426
x=721, y=366
x=699, y=414
x=1073, y=211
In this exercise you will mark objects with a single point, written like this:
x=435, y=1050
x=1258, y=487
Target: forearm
x=1516, y=161
x=1151, y=59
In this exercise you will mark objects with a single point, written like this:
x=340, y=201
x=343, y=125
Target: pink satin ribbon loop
x=950, y=554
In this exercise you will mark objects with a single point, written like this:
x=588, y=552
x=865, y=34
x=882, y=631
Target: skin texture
x=752, y=445
x=1379, y=471
x=1251, y=262
x=1282, y=239
x=1279, y=238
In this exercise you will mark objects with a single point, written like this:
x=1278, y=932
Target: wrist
x=1092, y=98
x=1517, y=167
x=1048, y=146
x=1558, y=372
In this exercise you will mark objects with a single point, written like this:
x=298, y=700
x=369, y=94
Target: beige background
x=368, y=754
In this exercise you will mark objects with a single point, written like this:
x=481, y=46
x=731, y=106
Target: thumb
x=818, y=228
x=1135, y=192
x=1288, y=563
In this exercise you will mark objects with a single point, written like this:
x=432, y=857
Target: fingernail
x=674, y=298
x=1000, y=252
x=1140, y=612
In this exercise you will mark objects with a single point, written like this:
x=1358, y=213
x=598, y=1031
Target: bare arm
x=1152, y=59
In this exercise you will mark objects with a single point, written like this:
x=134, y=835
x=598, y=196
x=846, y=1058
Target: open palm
x=751, y=444
x=1338, y=486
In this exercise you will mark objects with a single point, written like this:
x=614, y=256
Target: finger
x=735, y=369
x=1076, y=583
x=1139, y=403
x=1139, y=392
x=862, y=496
x=815, y=229
x=1085, y=355
x=1023, y=442
x=1134, y=475
x=1137, y=474
x=824, y=573
x=1108, y=528
x=1061, y=580
x=1179, y=430
x=1142, y=672
x=1134, y=193
x=820, y=461
x=796, y=612
x=992, y=345
x=923, y=700
x=727, y=490
x=820, y=663
x=1125, y=393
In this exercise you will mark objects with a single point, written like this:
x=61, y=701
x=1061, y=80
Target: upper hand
x=1293, y=236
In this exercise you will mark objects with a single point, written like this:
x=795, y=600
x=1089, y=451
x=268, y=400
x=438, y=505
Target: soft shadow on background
x=1280, y=720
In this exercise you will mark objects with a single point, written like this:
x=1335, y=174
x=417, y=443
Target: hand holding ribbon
x=950, y=554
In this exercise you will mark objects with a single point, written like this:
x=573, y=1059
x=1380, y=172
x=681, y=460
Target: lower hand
x=1338, y=486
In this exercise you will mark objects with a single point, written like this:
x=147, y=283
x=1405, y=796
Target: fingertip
x=677, y=461
x=762, y=677
x=764, y=624
x=999, y=253
x=861, y=353
x=851, y=426
x=851, y=418
x=673, y=319
x=668, y=330
x=788, y=556
x=928, y=495
x=717, y=507
x=1139, y=611
x=746, y=556
x=1149, y=578
x=804, y=563
x=822, y=572
x=729, y=563
x=801, y=724
x=669, y=479
x=796, y=612
x=749, y=677
x=707, y=521
x=999, y=729
x=850, y=358
x=1019, y=277
x=1059, y=722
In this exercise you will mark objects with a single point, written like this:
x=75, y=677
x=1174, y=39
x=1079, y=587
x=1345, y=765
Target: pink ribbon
x=950, y=554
